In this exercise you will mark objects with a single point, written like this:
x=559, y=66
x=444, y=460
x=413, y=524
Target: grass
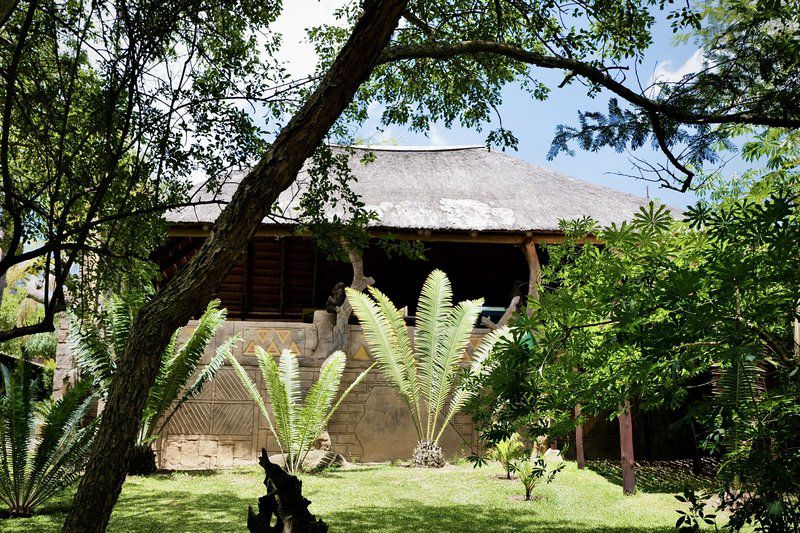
x=381, y=498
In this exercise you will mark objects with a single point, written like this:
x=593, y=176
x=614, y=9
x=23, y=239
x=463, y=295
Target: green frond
x=282, y=408
x=35, y=467
x=252, y=391
x=484, y=349
x=451, y=348
x=433, y=308
x=465, y=391
x=177, y=370
x=206, y=374
x=318, y=402
x=120, y=310
x=93, y=356
x=383, y=343
x=403, y=346
x=290, y=376
x=61, y=419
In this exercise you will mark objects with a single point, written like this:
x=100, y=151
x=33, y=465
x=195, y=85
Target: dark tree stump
x=142, y=461
x=285, y=502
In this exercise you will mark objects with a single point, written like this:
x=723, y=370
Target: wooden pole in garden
x=626, y=449
x=579, y=440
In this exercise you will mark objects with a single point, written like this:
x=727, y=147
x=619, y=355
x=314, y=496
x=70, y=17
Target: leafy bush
x=97, y=346
x=696, y=313
x=297, y=423
x=427, y=373
x=507, y=451
x=37, y=463
x=534, y=470
x=696, y=517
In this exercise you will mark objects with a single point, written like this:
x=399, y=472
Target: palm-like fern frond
x=252, y=391
x=282, y=408
x=34, y=468
x=179, y=365
x=97, y=346
x=433, y=308
x=452, y=345
x=425, y=374
x=406, y=356
x=208, y=372
x=319, y=399
x=385, y=347
x=298, y=422
x=93, y=355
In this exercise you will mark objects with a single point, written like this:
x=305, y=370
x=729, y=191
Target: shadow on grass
x=669, y=477
x=227, y=511
x=413, y=516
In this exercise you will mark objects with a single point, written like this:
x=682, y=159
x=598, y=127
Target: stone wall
x=222, y=427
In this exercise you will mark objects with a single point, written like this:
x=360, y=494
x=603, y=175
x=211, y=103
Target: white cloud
x=666, y=72
x=436, y=137
x=297, y=16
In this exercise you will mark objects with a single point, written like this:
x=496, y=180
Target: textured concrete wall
x=222, y=427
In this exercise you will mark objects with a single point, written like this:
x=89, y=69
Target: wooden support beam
x=360, y=282
x=579, y=456
x=496, y=237
x=248, y=269
x=626, y=450
x=534, y=269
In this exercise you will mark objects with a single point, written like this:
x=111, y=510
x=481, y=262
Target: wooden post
x=534, y=269
x=626, y=450
x=579, y=440
x=797, y=336
x=360, y=282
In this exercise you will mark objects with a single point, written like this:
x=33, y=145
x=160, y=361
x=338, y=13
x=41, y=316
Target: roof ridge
x=430, y=148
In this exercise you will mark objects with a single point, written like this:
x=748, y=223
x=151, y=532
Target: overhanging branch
x=597, y=74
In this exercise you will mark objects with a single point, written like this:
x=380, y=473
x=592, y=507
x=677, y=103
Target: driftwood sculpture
x=285, y=502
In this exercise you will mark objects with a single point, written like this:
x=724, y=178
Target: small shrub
x=695, y=517
x=533, y=471
x=507, y=451
x=36, y=465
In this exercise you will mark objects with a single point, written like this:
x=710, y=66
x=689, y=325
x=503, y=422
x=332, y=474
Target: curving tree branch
x=594, y=73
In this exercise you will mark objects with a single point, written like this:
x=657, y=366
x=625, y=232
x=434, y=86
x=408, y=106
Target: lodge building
x=482, y=216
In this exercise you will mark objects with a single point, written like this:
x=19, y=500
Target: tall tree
x=193, y=286
x=107, y=108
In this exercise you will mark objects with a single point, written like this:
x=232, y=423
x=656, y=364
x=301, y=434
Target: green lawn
x=384, y=498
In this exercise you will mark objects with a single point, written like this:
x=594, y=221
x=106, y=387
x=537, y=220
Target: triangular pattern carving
x=251, y=348
x=273, y=348
x=361, y=354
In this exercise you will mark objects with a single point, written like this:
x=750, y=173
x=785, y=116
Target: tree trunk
x=194, y=285
x=579, y=456
x=626, y=450
x=343, y=312
x=285, y=502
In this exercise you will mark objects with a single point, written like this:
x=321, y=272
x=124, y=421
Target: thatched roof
x=458, y=188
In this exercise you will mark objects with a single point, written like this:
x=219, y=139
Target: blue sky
x=533, y=122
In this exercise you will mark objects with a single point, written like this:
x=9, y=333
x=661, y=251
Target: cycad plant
x=507, y=451
x=427, y=373
x=535, y=470
x=296, y=423
x=37, y=463
x=97, y=346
